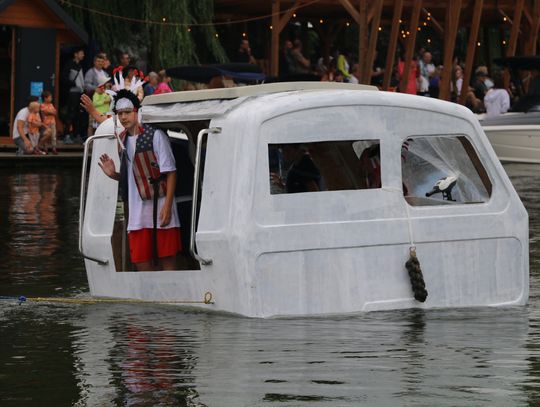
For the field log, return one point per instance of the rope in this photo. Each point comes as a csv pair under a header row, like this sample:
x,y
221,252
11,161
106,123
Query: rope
x,y
206,300
412,265
172,24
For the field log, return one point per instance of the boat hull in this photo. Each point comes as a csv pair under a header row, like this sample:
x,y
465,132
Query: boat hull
x,y
515,143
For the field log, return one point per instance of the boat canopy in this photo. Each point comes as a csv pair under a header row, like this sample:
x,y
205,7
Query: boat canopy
x,y
209,103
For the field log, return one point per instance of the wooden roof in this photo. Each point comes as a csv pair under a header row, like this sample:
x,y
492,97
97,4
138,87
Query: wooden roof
x,y
39,14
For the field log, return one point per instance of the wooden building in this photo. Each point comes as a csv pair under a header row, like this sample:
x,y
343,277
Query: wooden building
x,y
403,19
32,34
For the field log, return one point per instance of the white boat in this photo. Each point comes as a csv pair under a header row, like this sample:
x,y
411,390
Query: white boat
x,y
271,236
515,136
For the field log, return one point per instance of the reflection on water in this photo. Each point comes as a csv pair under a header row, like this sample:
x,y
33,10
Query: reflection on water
x,y
142,355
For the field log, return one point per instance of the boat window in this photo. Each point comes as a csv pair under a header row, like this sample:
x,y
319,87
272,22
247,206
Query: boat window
x,y
324,166
443,170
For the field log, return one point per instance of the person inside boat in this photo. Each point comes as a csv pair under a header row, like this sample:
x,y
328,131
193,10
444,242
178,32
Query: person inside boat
x,y
147,182
303,175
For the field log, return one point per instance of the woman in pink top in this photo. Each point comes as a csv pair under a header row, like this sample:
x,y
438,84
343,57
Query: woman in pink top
x,y
164,83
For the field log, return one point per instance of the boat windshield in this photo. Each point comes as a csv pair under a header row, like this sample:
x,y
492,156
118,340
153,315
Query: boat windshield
x,y
440,170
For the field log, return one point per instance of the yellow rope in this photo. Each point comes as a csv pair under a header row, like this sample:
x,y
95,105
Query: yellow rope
x,y
207,300
166,23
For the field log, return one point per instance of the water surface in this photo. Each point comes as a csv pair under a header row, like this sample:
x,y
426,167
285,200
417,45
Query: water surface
x,y
152,355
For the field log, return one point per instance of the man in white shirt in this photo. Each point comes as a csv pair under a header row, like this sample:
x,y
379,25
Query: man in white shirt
x,y
20,130
427,69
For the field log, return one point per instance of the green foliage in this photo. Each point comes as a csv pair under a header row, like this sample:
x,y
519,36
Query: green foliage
x,y
162,44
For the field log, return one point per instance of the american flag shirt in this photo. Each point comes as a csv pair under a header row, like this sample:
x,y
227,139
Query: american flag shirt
x,y
157,149
145,164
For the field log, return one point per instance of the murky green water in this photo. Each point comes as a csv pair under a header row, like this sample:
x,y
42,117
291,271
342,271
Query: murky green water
x,y
146,355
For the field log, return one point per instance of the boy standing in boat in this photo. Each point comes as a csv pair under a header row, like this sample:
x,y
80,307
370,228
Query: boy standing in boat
x,y
147,181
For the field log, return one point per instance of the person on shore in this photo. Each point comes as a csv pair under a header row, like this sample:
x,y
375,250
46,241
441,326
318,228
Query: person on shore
x,y
20,130
101,101
95,75
124,59
413,74
152,81
48,113
299,63
73,79
426,71
130,73
151,240
34,126
497,99
343,65
164,83
243,55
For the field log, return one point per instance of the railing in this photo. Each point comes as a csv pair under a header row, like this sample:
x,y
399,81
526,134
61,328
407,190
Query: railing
x,y
87,144
194,217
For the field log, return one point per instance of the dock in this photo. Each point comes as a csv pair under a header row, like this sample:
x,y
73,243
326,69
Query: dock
x,y
68,154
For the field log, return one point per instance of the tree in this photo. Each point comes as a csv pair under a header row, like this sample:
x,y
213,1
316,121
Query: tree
x,y
165,33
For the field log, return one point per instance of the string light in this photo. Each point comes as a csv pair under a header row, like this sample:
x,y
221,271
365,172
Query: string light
x,y
504,18
380,28
429,40
243,34
164,19
425,24
189,30
419,29
504,42
408,33
217,35
271,27
321,21
478,43
294,15
348,24
400,21
429,18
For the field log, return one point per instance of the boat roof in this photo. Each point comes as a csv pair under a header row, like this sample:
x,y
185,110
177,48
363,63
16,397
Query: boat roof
x,y
209,103
244,91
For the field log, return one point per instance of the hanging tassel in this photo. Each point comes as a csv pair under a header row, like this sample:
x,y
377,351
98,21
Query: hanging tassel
x,y
415,275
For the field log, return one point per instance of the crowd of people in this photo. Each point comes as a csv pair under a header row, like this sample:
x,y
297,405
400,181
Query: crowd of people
x,y
36,126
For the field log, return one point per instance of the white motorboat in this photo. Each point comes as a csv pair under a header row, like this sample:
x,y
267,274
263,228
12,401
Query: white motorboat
x,y
310,198
515,136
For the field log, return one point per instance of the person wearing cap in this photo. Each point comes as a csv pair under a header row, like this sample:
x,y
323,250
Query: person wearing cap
x,y
147,179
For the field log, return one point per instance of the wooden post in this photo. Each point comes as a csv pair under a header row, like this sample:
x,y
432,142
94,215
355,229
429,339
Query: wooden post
x,y
391,52
409,52
471,48
450,31
12,84
362,36
274,48
514,33
360,17
535,27
375,22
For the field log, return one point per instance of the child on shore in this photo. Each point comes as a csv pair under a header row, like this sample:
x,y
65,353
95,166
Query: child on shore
x,y
48,112
34,125
101,101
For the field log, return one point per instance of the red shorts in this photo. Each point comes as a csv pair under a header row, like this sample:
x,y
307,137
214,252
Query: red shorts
x,y
140,244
